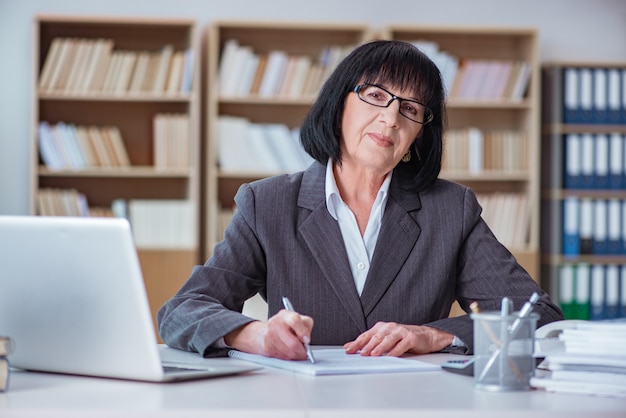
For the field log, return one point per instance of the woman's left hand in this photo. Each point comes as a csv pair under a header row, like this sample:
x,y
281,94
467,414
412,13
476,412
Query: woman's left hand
x,y
391,339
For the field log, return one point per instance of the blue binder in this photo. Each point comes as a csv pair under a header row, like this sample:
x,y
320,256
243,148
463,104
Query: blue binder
x,y
600,96
614,96
616,161
600,227
597,295
587,169
571,238
586,96
601,162
572,176
571,95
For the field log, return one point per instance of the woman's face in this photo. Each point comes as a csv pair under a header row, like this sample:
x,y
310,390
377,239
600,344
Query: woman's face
x,y
376,137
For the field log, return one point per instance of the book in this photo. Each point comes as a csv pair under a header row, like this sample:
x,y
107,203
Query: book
x,y
4,374
593,362
6,346
334,361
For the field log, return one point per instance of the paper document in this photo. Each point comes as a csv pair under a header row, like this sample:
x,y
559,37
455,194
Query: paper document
x,y
336,361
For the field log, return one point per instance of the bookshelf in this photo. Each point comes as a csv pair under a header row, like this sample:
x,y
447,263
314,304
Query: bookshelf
x,y
101,89
492,141
583,188
281,108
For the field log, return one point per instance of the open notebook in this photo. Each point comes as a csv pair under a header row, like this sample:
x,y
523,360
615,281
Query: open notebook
x,y
72,299
330,361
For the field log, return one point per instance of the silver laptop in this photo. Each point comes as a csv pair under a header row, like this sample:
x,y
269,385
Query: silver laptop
x,y
73,300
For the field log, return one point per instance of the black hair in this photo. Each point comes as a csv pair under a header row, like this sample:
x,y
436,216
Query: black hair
x,y
387,62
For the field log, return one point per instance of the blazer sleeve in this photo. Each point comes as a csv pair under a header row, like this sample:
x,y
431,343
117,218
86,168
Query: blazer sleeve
x,y
208,306
487,272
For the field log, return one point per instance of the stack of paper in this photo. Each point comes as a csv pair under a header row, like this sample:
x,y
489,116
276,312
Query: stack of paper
x,y
594,361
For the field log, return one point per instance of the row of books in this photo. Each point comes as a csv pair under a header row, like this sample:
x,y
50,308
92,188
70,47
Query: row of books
x,y
473,150
155,223
276,74
475,79
69,147
594,161
594,95
592,363
171,140
593,226
592,291
163,223
74,147
85,65
508,217
5,350
246,147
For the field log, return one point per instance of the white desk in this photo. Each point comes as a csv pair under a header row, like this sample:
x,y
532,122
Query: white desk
x,y
277,393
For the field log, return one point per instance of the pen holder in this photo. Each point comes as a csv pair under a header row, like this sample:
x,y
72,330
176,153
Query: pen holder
x,y
503,351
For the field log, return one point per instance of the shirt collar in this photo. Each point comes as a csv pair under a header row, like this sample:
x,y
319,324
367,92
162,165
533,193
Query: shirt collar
x,y
332,191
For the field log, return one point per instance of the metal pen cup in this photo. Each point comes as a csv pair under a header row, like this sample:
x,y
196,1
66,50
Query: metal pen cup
x,y
503,352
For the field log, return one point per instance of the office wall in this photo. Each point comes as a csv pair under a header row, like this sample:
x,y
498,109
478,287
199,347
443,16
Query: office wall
x,y
579,30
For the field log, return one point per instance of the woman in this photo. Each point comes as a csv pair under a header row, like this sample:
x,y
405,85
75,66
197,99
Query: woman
x,y
369,245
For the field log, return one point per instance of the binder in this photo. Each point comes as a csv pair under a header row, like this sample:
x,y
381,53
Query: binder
x,y
571,238
614,102
614,227
601,162
572,177
586,226
623,230
597,295
623,95
566,291
587,161
616,161
600,96
612,308
583,278
586,96
571,95
600,215
622,292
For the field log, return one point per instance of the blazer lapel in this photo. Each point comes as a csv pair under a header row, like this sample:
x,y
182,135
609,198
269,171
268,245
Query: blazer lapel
x,y
398,234
323,237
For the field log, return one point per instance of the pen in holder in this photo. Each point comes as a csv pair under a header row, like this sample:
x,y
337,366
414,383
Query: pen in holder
x,y
503,347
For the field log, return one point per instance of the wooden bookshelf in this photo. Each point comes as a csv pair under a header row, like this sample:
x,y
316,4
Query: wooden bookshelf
x,y
295,40
557,130
132,111
491,113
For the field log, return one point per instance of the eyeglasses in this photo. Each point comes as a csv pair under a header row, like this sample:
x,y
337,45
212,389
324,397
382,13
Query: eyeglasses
x,y
379,97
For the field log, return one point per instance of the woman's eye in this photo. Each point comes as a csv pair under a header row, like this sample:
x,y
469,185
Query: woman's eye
x,y
410,109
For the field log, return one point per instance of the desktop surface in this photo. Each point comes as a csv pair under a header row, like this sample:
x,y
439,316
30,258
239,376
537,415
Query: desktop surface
x,y
277,393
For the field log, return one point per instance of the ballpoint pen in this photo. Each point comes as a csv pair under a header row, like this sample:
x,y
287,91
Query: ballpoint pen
x,y
309,352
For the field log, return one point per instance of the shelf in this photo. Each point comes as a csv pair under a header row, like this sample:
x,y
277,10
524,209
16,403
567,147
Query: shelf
x,y
147,172
126,97
88,122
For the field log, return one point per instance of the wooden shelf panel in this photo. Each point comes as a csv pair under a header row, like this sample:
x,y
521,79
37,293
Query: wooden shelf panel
x,y
146,172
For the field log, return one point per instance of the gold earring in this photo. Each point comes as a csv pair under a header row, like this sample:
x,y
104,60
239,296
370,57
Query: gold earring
x,y
407,157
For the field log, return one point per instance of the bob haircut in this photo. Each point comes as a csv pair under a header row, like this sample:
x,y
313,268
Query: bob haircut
x,y
394,64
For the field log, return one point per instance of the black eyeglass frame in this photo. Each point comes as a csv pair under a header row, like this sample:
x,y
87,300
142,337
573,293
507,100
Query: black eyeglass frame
x,y
428,113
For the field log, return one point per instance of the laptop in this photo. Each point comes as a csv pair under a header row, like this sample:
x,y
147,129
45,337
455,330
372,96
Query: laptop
x,y
72,299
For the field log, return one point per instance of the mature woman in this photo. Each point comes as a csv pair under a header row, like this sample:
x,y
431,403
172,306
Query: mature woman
x,y
369,245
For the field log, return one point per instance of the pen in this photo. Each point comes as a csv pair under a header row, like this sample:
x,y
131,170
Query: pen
x,y
523,313
309,352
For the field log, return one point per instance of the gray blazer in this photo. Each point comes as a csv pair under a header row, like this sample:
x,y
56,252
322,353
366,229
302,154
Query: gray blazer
x,y
433,248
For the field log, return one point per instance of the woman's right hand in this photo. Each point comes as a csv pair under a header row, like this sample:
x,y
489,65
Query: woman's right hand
x,y
282,336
